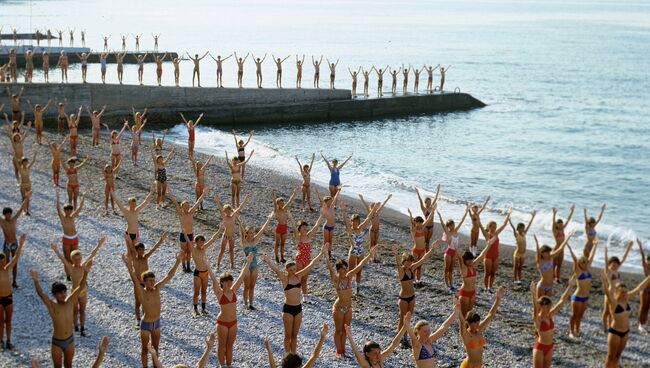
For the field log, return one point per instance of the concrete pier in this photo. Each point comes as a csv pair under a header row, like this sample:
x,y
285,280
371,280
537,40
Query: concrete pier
x,y
235,106
72,52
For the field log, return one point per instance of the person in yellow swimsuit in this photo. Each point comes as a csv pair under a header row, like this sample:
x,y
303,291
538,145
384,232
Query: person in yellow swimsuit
x,y
38,118
520,250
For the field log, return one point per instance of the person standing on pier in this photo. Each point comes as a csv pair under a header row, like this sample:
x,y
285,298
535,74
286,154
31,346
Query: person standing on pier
x,y
38,35
380,79
195,73
140,60
405,73
219,62
63,63
83,58
46,66
258,70
366,79
159,61
416,79
317,71
29,66
12,65
278,74
119,58
177,70
332,72
60,33
83,38
393,73
49,38
102,61
106,43
155,41
430,71
137,42
123,37
299,64
240,69
443,71
354,75
71,31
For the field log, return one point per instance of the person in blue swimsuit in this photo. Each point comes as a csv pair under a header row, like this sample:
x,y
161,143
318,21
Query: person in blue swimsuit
x,y
334,168
249,239
580,298
590,230
102,62
423,339
356,230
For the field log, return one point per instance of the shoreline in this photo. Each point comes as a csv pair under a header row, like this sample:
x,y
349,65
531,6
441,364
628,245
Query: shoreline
x,y
375,311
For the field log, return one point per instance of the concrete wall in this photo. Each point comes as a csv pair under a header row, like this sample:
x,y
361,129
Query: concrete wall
x,y
233,106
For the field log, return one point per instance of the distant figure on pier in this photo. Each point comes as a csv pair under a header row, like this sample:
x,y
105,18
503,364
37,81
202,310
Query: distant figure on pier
x,y
102,62
332,72
123,37
405,73
354,75
278,74
106,43
16,112
177,71
83,38
60,32
71,31
84,65
15,35
393,73
316,70
299,64
12,65
258,70
416,79
38,38
196,73
155,41
159,61
49,37
366,80
380,80
137,42
119,58
240,69
443,71
46,66
63,64
430,71
219,62
29,66
140,60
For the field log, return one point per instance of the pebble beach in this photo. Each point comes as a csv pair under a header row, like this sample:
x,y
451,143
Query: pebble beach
x,y
110,306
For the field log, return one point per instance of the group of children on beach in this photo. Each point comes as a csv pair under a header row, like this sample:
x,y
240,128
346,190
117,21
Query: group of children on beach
x,y
68,310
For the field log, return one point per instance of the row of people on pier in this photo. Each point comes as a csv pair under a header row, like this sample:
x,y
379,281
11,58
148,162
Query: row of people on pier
x,y
49,36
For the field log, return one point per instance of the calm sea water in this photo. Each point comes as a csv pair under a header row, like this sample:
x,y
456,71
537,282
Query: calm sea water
x,y
566,83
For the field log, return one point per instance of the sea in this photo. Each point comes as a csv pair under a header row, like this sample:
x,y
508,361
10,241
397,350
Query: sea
x,y
566,85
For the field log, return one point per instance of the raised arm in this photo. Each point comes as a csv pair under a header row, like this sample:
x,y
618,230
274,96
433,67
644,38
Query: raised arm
x,y
305,271
269,353
426,255
561,247
556,308
244,271
445,325
532,217
319,345
493,310
639,288
266,223
345,162
147,198
356,270
627,250
273,267
169,274
162,238
576,268
39,291
14,259
326,161
101,351
93,253
358,355
505,222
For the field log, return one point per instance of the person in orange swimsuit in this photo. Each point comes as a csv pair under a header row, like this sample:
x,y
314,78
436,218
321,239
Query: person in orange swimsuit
x,y
471,331
56,158
73,125
72,185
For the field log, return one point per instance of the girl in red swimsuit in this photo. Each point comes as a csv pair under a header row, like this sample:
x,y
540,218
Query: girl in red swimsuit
x,y
303,237
109,177
191,133
418,235
543,314
491,261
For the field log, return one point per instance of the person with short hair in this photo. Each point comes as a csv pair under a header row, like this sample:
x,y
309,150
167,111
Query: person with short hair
x,y
25,182
280,209
185,214
55,149
76,269
38,111
196,71
422,338
519,255
131,215
6,294
61,313
305,172
72,184
249,239
372,355
418,235
228,218
219,62
544,258
10,245
95,120
67,216
198,246
149,294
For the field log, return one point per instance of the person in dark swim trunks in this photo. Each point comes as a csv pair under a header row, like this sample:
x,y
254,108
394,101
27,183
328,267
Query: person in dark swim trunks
x,y
6,297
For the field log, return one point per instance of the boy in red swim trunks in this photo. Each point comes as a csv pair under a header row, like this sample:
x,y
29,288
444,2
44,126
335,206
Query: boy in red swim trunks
x,y
281,227
67,216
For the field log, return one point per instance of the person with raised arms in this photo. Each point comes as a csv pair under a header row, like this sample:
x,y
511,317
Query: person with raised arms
x,y
332,67
95,120
422,349
590,230
63,64
131,216
77,271
280,209
451,237
140,61
196,74
366,81
191,133
241,149
645,295
7,266
443,73
199,173
219,62
430,71
258,69
544,259
109,180
427,206
114,136
491,261
543,313
56,159
302,237
335,171
380,80
73,125
467,290
249,239
416,227
278,74
25,182
67,216
140,263
580,298
356,231
327,205
185,214
305,172
119,60
292,309
405,274
299,65
372,356
354,75
519,255
236,167
316,65
162,189
471,332
558,227
240,68
375,220
613,276
135,133
474,215
228,218
8,223
61,313
38,111
159,63
149,294
293,360
225,289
